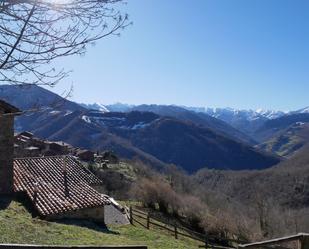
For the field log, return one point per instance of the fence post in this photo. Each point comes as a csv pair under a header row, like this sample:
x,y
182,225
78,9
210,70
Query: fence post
x,y
175,229
131,215
148,221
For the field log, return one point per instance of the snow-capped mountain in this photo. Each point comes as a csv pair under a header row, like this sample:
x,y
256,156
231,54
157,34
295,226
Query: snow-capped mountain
x,y
95,106
120,107
214,112
303,110
270,114
247,121
117,107
248,114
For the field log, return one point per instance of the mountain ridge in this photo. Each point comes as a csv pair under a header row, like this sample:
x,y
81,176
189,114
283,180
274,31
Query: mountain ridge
x,y
189,140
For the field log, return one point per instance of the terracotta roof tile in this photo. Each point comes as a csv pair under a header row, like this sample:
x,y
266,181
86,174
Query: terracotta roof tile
x,y
57,184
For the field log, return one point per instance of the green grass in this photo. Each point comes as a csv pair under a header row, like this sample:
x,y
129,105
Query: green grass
x,y
284,145
18,226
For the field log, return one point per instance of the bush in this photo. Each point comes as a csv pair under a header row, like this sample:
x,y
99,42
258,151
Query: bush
x,y
158,192
194,211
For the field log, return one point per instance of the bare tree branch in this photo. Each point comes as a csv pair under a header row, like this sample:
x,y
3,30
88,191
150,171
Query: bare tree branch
x,y
33,33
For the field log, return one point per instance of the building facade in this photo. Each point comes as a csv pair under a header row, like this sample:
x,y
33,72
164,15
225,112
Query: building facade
x,y
7,115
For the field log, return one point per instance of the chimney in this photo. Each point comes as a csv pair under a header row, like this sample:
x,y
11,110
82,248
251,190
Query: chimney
x,y
7,115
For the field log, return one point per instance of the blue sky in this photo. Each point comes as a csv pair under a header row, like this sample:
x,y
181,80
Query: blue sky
x,y
217,53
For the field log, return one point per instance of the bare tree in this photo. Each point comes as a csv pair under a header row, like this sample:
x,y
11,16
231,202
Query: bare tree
x,y
33,33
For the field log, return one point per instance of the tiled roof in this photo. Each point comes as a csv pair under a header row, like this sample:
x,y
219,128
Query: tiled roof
x,y
57,184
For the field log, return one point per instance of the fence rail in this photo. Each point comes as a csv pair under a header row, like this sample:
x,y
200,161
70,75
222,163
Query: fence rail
x,y
174,229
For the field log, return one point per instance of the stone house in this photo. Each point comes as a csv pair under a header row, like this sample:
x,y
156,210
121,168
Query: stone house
x,y
60,187
56,148
7,114
26,145
57,186
85,155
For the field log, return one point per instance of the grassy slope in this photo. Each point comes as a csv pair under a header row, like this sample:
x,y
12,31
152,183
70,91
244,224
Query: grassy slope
x,y
17,226
288,141
283,145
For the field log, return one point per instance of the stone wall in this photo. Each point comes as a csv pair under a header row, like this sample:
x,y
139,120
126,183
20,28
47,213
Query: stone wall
x,y
107,214
114,216
6,153
94,214
15,246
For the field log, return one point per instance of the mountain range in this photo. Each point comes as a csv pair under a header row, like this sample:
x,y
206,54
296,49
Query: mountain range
x,y
253,126
247,121
157,134
179,113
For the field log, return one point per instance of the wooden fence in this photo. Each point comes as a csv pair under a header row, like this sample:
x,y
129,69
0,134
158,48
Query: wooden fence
x,y
147,221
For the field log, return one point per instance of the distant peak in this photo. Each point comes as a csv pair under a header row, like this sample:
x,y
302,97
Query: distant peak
x,y
96,106
304,110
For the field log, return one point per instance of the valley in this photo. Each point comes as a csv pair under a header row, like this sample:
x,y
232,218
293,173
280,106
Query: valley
x,y
154,124
159,135
178,163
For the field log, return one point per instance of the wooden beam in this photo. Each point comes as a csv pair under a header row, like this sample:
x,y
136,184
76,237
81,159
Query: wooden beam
x,y
304,242
300,236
